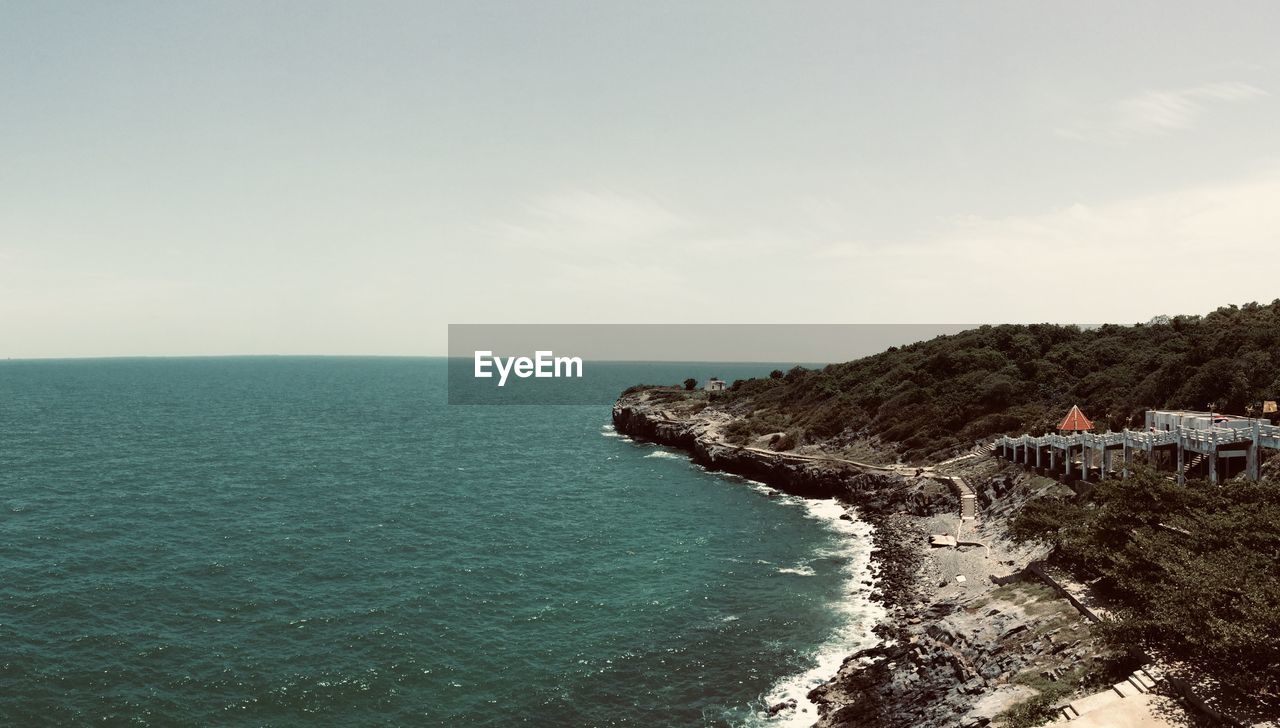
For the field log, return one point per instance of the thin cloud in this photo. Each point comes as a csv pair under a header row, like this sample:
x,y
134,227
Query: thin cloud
x,y
592,218
1100,262
1160,112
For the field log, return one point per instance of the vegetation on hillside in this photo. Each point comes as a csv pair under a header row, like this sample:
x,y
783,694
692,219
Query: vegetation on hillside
x,y
933,396
1194,567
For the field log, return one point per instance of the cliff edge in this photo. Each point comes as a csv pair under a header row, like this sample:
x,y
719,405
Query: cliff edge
x,y
970,637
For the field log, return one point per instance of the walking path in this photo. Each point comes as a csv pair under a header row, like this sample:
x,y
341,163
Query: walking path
x,y
968,499
1139,711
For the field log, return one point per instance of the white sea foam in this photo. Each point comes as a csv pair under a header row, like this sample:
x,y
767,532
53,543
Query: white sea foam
x,y
666,454
609,431
858,614
773,493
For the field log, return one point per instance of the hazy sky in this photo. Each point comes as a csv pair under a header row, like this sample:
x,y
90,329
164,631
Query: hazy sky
x,y
309,177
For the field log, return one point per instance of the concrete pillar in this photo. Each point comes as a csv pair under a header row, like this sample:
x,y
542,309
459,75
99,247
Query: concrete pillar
x,y
1106,463
1251,468
1039,456
1213,466
1084,461
1128,460
1182,478
1053,459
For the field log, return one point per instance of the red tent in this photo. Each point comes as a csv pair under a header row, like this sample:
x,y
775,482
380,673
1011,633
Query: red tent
x,y
1075,421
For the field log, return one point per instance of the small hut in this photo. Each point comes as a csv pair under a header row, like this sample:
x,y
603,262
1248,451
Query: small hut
x,y
1075,422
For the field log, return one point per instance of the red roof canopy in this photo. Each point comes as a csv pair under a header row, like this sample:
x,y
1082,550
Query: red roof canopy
x,y
1075,421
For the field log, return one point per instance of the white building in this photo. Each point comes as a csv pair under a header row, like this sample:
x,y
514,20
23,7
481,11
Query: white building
x,y
715,385
1169,420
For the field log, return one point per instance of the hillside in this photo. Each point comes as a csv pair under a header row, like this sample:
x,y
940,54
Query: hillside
x,y
932,397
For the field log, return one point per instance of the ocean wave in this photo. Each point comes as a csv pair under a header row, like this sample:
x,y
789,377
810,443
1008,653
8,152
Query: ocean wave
x,y
609,431
851,551
859,614
667,455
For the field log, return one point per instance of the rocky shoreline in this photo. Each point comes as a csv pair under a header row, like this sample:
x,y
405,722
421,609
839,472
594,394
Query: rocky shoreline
x,y
942,661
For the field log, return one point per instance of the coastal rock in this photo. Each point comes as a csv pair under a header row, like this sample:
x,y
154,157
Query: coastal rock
x,y
784,705
937,655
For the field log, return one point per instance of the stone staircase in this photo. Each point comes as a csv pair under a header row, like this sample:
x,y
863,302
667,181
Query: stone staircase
x,y
968,500
1195,461
1139,683
979,451
968,504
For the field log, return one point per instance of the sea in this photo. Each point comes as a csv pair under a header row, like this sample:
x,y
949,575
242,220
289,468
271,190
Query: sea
x,y
281,541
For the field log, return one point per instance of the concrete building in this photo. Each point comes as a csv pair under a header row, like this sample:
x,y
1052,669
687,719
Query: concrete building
x,y
715,385
1171,420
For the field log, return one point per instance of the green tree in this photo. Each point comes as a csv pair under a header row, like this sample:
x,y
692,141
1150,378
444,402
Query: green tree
x,y
930,398
1192,568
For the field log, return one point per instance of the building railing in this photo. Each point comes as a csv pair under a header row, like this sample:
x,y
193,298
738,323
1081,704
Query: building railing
x,y
1146,439
1254,435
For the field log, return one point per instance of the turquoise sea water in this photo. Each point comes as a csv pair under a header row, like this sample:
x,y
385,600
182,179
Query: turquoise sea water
x,y
323,541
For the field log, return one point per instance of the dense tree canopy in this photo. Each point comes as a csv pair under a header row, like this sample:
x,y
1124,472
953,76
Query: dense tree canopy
x,y
932,396
1193,568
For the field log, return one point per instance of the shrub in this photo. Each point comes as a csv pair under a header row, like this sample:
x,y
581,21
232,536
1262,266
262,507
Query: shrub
x,y
1192,568
784,441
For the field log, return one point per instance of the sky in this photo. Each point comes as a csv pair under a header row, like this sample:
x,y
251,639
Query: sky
x,y
350,178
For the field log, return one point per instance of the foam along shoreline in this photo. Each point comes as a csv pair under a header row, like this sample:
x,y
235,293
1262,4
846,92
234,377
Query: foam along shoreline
x,y
859,614
859,611
880,580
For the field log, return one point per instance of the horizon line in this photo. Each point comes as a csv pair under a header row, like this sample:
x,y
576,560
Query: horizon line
x,y
112,357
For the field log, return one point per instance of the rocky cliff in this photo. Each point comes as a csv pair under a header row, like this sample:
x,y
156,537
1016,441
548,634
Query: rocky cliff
x,y
874,490
952,647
